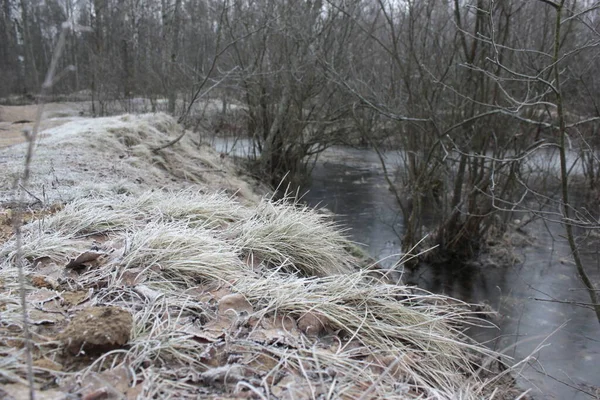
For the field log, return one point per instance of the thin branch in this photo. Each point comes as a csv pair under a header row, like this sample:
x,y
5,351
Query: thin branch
x,y
575,303
38,200
551,3
171,143
18,220
213,65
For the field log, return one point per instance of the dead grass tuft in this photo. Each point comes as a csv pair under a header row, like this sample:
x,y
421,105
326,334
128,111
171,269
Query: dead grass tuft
x,y
182,254
285,234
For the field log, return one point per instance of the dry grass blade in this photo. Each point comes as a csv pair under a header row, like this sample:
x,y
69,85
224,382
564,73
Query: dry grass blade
x,y
22,182
194,207
416,327
56,246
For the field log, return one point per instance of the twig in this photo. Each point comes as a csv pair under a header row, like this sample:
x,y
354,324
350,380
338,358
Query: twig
x,y
579,389
171,143
576,303
31,194
86,235
18,220
551,3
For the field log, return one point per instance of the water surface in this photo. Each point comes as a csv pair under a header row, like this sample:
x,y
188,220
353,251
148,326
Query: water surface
x,y
350,183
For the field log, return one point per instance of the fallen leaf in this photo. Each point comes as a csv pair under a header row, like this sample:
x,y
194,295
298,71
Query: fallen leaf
x,y
388,364
98,394
46,363
354,348
280,329
229,374
76,298
83,258
150,294
196,331
50,270
117,378
231,308
39,317
133,276
297,388
208,293
313,323
261,362
19,391
216,328
41,296
41,262
284,322
214,355
134,393
234,304
196,291
40,281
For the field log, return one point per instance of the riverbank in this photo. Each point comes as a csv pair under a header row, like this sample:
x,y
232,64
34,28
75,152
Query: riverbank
x,y
164,272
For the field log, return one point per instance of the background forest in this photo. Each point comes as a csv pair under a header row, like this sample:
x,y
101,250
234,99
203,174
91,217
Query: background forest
x,y
468,91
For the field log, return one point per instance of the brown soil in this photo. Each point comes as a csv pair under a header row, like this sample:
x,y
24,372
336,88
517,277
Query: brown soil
x,y
96,330
7,218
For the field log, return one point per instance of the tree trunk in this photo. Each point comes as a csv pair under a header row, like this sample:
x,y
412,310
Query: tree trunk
x,y
566,206
172,86
31,74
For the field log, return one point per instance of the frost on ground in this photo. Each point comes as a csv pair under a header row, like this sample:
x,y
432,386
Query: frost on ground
x,y
156,273
116,155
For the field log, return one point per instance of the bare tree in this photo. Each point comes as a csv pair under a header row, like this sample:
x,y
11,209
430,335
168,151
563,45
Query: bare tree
x,y
441,114
536,86
293,110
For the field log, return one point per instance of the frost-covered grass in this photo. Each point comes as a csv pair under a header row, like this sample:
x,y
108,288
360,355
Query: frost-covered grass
x,y
92,156
284,233
101,213
386,341
182,254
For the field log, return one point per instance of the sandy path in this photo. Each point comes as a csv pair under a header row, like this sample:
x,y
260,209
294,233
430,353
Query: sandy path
x,y
14,120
